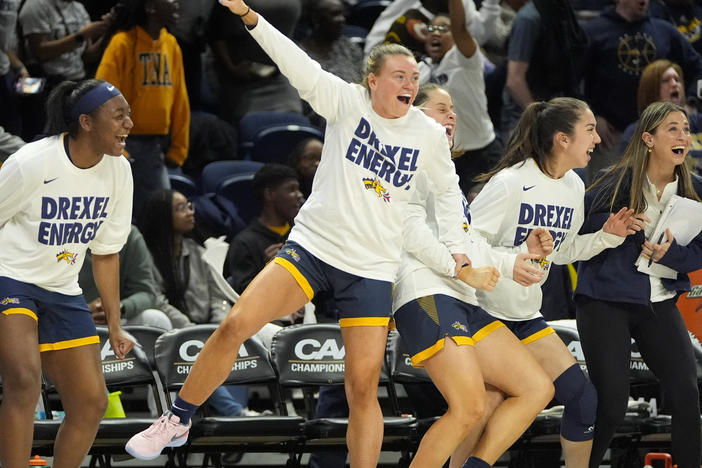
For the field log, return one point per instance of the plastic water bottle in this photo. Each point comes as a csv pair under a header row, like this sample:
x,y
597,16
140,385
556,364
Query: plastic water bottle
x,y
39,411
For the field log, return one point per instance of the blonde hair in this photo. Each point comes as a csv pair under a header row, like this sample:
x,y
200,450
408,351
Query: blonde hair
x,y
377,58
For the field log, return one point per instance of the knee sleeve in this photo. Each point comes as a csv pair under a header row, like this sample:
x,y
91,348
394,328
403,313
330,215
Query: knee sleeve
x,y
579,398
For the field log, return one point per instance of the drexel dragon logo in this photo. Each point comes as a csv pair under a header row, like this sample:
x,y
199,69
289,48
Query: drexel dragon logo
x,y
459,326
293,254
541,263
67,256
374,184
9,300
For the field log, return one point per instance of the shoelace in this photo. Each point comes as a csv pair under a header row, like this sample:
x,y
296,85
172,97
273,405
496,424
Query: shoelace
x,y
159,427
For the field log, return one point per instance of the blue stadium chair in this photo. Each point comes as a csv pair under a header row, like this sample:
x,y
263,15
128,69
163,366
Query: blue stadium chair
x,y
176,351
364,13
217,171
275,144
252,123
238,190
183,184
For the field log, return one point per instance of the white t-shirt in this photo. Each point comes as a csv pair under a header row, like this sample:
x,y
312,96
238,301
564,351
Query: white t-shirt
x,y
463,79
427,266
513,203
353,218
51,212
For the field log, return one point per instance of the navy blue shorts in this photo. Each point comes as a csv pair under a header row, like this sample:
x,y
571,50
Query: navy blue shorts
x,y
63,321
425,322
529,331
362,302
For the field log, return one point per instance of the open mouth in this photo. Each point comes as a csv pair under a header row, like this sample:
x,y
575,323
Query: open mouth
x,y
679,150
404,99
449,129
122,140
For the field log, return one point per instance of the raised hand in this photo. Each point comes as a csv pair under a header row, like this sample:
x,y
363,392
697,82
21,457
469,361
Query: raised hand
x,y
524,272
238,7
539,241
480,278
624,222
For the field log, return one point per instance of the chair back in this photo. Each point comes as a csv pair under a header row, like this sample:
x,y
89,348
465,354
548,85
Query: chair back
x,y
146,338
274,144
177,350
239,190
252,123
183,184
214,173
400,363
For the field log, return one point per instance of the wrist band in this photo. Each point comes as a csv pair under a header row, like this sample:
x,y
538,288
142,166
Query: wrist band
x,y
247,12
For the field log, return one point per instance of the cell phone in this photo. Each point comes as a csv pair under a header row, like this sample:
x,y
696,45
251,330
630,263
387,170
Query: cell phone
x,y
30,85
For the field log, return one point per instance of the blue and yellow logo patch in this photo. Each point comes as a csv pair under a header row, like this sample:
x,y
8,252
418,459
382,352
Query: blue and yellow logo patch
x,y
295,256
374,184
459,326
541,263
9,300
67,256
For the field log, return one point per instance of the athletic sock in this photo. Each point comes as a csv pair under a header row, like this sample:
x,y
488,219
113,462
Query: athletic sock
x,y
183,410
475,462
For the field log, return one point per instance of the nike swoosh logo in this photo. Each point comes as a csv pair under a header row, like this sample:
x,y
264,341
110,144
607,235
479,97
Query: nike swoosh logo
x,y
50,180
525,188
110,88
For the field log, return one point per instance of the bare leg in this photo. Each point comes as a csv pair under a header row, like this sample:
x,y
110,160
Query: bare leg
x,y
456,373
78,378
21,384
365,348
493,399
555,358
507,366
272,294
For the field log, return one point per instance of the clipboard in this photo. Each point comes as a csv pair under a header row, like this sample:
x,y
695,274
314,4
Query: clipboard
x,y
683,217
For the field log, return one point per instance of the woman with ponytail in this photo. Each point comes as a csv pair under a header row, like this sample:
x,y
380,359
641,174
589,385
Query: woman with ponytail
x,y
533,201
60,196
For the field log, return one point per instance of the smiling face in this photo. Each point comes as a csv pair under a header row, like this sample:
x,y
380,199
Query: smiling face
x,y
394,88
183,214
439,107
439,39
110,125
582,142
670,142
671,87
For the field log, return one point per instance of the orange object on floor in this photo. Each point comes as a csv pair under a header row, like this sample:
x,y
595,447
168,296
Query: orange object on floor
x,y
36,460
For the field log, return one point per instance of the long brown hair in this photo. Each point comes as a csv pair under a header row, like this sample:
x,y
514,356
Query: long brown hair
x,y
650,82
634,163
533,136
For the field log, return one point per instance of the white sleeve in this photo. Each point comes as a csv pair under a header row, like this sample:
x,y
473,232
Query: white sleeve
x,y
388,16
112,236
481,253
447,195
322,90
581,247
14,189
482,24
418,238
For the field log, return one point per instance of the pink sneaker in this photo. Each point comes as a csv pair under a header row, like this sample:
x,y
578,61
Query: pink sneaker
x,y
166,431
